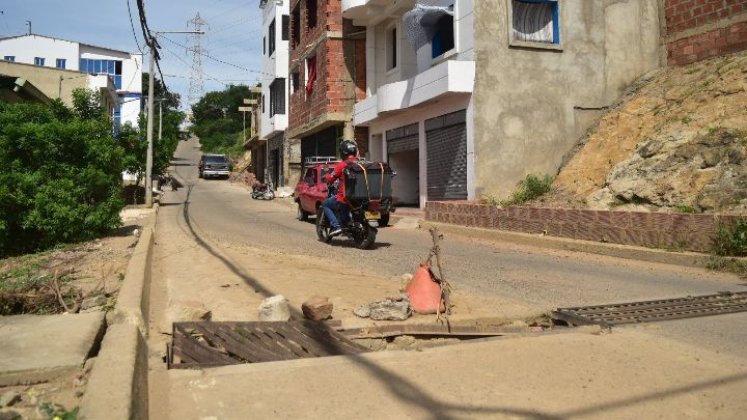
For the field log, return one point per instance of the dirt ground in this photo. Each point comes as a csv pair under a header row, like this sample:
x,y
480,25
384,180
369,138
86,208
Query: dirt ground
x,y
87,270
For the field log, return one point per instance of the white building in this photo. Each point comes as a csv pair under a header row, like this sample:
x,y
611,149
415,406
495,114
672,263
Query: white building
x,y
274,99
125,69
419,101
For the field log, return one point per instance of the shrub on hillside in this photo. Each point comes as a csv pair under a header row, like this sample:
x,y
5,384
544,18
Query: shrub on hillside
x,y
60,180
731,239
530,188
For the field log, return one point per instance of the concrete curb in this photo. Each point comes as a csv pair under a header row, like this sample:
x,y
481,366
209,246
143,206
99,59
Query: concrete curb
x,y
118,385
686,259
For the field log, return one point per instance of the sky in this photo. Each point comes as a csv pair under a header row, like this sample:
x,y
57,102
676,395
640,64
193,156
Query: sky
x,y
233,33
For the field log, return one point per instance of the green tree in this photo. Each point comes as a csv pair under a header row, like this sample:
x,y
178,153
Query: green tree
x,y
61,174
218,122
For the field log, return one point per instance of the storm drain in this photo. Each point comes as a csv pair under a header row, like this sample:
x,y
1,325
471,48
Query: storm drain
x,y
654,310
211,344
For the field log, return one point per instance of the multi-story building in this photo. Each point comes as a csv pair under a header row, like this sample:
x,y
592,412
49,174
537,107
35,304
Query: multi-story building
x,y
283,154
124,69
546,71
327,74
420,74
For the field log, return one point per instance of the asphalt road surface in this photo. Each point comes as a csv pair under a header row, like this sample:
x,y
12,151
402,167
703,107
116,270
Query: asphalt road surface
x,y
544,278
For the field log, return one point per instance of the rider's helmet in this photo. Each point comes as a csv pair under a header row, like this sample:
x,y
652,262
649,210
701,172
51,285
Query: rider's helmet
x,y
347,148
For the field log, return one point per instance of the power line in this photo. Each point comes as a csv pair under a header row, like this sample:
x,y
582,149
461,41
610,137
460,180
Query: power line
x,y
132,25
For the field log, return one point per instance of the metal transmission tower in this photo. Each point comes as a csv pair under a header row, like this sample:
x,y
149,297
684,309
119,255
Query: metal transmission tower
x,y
196,80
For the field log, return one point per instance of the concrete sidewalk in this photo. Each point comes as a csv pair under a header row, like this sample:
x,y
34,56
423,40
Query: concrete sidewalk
x,y
38,348
625,374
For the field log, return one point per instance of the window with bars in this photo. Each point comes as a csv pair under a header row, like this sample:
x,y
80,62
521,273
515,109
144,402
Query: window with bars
x,y
61,63
38,61
277,97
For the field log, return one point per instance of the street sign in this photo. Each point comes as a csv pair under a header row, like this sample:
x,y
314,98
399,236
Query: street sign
x,y
250,102
245,109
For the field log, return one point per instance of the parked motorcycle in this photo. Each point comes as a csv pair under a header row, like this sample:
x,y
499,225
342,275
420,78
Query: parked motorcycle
x,y
263,191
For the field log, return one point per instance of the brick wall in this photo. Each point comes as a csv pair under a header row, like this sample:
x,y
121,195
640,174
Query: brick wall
x,y
700,29
693,232
338,60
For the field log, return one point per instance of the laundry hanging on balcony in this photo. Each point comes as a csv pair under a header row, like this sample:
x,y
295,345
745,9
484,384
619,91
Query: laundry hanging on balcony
x,y
421,23
311,74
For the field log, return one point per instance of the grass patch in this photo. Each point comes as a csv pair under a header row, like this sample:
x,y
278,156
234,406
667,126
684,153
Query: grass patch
x,y
680,208
731,239
530,188
729,265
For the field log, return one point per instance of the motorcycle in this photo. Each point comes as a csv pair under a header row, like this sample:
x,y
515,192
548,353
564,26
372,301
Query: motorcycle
x,y
263,191
359,227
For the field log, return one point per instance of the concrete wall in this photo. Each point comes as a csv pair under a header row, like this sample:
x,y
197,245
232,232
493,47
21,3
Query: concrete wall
x,y
274,66
47,79
533,101
699,29
26,48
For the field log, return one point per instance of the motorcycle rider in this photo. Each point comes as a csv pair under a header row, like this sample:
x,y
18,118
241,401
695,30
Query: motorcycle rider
x,y
336,203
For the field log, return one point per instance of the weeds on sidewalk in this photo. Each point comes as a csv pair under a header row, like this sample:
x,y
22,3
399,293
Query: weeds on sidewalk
x,y
531,187
729,243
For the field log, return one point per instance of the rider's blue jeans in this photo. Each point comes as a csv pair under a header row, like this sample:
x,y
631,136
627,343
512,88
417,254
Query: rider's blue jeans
x,y
331,208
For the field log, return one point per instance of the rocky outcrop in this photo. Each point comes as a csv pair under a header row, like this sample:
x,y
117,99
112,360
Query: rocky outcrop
x,y
677,142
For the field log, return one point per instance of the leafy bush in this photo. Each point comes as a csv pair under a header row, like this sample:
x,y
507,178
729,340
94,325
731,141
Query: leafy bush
x,y
530,188
60,180
731,239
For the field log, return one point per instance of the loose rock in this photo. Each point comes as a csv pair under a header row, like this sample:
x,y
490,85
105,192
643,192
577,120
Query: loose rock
x,y
93,302
274,309
363,311
190,311
390,310
9,398
317,308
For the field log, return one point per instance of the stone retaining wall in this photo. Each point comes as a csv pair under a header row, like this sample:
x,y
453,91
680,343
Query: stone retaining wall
x,y
691,232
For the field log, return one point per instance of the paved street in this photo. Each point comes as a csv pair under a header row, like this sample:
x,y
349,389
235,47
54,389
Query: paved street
x,y
218,248
542,279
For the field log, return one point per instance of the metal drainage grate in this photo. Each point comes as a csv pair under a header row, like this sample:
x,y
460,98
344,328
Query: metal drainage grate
x,y
654,310
211,344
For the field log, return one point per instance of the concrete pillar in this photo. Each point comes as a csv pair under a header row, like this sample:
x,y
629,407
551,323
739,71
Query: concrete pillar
x,y
348,131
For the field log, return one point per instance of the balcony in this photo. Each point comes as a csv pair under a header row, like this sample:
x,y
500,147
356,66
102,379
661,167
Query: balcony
x,y
272,126
447,78
370,12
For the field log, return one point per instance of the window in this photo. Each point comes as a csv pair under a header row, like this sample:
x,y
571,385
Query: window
x,y
271,37
391,48
443,37
535,21
264,45
310,177
110,67
295,81
9,58
311,13
262,103
296,26
310,75
38,61
284,29
61,63
277,97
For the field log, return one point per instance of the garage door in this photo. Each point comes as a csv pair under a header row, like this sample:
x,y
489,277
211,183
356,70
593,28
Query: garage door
x,y
403,139
446,140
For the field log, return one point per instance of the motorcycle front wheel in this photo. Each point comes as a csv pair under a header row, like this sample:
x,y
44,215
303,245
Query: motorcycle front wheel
x,y
364,236
322,226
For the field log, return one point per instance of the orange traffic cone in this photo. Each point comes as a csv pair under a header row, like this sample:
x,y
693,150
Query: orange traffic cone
x,y
424,292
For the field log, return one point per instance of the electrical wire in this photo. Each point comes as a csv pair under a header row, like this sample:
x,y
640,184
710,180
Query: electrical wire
x,y
132,25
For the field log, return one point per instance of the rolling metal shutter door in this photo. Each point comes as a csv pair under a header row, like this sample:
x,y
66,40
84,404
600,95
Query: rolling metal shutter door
x,y
402,139
446,140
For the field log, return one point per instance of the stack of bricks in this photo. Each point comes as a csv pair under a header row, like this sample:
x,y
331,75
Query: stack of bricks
x,y
700,29
691,232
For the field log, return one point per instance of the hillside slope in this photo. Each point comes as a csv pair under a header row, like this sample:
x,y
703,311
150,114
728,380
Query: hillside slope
x,y
676,142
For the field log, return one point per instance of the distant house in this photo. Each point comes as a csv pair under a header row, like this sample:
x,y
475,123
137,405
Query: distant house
x,y
420,74
124,69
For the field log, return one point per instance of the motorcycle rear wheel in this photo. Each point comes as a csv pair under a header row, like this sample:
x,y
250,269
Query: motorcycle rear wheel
x,y
322,226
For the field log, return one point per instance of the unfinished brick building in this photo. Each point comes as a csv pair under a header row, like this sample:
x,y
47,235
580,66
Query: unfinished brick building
x,y
327,72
